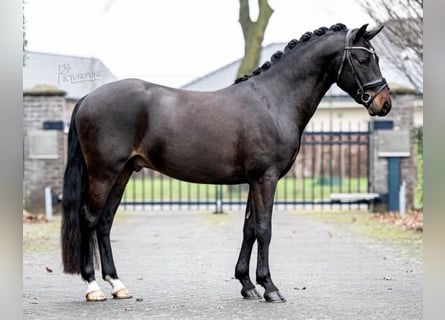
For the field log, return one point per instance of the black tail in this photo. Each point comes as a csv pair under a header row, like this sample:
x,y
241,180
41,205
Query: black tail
x,y
75,186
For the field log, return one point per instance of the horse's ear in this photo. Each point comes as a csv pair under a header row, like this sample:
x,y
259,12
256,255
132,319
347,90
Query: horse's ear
x,y
372,33
360,32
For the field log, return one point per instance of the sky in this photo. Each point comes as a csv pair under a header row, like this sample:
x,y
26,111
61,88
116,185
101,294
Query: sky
x,y
170,42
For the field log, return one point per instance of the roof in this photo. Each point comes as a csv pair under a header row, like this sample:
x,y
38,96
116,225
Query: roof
x,y
226,75
75,75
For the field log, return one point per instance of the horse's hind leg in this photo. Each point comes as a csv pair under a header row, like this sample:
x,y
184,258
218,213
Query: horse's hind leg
x,y
242,266
109,272
98,190
102,180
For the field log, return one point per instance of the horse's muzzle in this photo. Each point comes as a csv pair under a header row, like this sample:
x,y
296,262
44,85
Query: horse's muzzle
x,y
381,104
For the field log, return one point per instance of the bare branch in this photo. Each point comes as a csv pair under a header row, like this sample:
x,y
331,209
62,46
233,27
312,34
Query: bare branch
x,y
402,36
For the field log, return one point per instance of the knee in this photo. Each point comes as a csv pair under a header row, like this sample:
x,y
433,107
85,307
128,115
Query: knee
x,y
263,233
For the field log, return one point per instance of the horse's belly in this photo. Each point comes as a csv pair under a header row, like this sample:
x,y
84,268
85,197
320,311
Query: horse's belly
x,y
196,164
196,173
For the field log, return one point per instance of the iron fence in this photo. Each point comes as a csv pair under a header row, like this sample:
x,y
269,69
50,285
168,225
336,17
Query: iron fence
x,y
328,162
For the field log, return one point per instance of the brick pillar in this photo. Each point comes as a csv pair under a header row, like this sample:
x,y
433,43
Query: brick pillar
x,y
402,115
43,144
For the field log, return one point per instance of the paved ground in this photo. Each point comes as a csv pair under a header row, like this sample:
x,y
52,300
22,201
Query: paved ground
x,y
180,265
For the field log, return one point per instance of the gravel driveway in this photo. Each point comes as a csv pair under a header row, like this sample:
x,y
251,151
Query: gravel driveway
x,y
180,265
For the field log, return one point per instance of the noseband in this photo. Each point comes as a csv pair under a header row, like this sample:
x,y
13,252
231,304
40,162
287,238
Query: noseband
x,y
366,97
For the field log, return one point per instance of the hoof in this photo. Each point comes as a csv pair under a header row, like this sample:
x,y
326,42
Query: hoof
x,y
96,295
250,294
122,294
274,297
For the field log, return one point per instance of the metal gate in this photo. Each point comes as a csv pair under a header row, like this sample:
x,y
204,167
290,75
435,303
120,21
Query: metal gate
x,y
328,162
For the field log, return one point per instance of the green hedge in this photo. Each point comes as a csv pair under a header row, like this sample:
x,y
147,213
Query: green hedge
x,y
419,152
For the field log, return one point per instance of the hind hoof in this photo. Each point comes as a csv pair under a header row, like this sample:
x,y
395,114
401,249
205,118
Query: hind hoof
x,y
96,295
122,294
250,294
274,297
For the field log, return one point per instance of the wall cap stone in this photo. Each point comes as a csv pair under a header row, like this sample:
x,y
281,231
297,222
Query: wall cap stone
x,y
44,90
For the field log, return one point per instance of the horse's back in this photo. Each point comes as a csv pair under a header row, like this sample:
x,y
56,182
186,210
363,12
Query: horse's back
x,y
160,127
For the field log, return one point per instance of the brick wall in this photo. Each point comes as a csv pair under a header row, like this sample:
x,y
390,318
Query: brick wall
x,y
43,149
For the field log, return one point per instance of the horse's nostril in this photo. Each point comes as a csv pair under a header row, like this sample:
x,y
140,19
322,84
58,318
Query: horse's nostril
x,y
386,107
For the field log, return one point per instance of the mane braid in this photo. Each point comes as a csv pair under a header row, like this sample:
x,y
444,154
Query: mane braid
x,y
291,45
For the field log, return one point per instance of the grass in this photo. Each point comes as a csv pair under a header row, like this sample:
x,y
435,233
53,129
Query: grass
x,y
41,237
161,188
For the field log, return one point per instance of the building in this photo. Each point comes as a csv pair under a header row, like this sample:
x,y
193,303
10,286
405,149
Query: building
x,y
75,75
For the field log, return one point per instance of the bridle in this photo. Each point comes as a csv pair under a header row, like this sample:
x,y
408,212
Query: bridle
x,y
366,97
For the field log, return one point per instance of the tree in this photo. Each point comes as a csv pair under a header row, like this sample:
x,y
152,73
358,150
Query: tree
x,y
401,42
253,32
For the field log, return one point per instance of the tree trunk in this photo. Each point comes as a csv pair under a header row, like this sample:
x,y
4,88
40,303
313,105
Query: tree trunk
x,y
253,32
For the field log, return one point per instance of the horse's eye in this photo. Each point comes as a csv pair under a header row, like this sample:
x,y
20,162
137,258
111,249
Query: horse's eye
x,y
362,61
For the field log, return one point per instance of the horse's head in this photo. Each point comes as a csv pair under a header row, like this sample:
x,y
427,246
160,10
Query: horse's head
x,y
359,73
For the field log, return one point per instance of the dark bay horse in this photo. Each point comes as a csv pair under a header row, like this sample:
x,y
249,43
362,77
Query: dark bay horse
x,y
248,133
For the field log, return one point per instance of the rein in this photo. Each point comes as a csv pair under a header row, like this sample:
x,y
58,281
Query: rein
x,y
366,97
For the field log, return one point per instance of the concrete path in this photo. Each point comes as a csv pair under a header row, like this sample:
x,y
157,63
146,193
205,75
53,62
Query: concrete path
x,y
180,265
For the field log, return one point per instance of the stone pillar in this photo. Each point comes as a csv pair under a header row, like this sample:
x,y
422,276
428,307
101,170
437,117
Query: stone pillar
x,y
402,116
43,144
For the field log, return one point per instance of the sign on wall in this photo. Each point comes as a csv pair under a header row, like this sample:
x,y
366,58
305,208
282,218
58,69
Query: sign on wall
x,y
393,143
43,144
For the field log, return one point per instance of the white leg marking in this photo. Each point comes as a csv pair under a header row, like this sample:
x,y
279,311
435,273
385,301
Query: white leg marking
x,y
92,286
115,283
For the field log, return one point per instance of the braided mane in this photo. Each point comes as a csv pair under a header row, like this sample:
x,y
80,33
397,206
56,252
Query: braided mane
x,y
291,45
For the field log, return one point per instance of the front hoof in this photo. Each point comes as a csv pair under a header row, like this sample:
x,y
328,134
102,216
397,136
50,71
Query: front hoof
x,y
274,297
96,295
250,294
122,294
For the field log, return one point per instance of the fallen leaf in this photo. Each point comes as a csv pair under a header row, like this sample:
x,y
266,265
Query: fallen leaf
x,y
410,221
49,269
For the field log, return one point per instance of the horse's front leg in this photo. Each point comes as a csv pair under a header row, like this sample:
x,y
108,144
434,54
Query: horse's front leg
x,y
263,193
242,267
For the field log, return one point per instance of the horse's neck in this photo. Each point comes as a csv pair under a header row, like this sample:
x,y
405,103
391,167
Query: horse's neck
x,y
300,82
